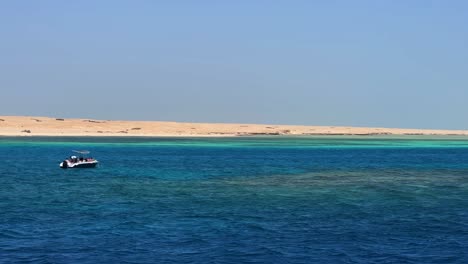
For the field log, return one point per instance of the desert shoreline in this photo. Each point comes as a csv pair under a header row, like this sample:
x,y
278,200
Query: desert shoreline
x,y
76,127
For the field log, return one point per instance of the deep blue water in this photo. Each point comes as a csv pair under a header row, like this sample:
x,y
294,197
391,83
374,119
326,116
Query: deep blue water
x,y
235,200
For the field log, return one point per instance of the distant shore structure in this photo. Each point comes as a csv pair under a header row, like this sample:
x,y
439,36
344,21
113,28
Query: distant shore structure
x,y
56,126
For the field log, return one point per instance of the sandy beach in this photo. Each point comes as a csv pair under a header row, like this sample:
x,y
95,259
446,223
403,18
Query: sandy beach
x,y
48,126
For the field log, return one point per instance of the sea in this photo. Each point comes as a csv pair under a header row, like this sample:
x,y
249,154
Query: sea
x,y
322,199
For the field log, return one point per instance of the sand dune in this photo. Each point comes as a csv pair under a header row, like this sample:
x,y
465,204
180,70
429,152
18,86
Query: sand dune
x,y
46,126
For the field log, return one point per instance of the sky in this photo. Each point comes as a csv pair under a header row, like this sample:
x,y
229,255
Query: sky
x,y
345,63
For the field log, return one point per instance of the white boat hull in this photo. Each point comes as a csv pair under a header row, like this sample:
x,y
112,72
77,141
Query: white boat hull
x,y
80,164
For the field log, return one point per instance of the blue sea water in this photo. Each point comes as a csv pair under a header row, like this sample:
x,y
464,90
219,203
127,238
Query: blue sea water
x,y
235,200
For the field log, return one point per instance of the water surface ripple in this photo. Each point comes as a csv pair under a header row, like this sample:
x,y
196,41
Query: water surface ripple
x,y
235,200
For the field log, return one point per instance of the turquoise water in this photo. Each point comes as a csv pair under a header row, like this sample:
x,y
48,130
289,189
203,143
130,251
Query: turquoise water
x,y
235,200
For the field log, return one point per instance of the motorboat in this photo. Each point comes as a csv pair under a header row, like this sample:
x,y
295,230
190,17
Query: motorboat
x,y
79,162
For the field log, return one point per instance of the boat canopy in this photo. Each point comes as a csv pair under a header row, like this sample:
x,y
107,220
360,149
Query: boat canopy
x,y
84,152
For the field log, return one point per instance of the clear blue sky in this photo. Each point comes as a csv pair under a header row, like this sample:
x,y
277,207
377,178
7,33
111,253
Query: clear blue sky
x,y
361,63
